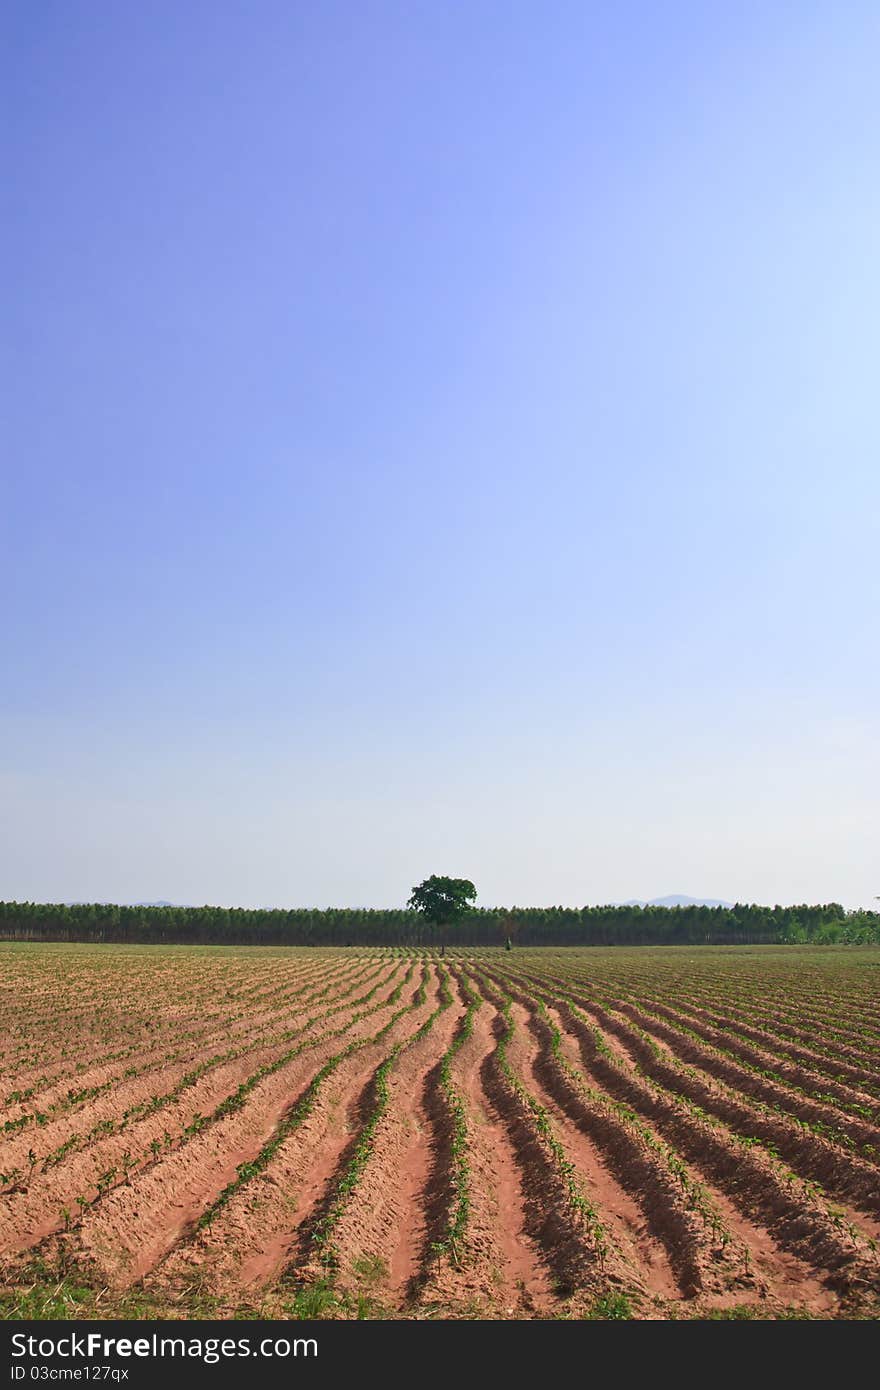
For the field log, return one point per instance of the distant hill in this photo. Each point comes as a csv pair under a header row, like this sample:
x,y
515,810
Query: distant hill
x,y
675,900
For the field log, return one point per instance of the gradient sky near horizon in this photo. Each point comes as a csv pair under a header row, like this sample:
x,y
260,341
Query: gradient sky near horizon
x,y
441,439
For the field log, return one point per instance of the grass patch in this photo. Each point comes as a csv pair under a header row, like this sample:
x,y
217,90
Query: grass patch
x,y
611,1307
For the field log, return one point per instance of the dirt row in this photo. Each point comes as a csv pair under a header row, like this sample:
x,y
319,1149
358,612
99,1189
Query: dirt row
x,y
476,1137
105,1090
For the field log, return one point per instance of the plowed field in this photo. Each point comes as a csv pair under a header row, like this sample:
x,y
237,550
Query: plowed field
x,y
652,1133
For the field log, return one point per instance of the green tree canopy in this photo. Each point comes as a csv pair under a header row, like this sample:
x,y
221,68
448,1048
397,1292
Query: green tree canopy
x,y
442,900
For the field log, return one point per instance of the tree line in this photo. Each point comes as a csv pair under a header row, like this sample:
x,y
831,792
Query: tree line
x,y
488,926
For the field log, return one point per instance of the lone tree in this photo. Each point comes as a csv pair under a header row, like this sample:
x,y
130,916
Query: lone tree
x,y
442,901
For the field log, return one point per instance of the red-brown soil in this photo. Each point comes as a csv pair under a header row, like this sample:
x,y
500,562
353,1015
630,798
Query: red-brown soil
x,y
660,1134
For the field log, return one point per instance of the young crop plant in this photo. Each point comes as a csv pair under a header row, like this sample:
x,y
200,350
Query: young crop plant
x,y
719,1106
349,1179
810,1193
695,1194
452,1239
752,1096
304,1107
581,1210
160,1102
110,1178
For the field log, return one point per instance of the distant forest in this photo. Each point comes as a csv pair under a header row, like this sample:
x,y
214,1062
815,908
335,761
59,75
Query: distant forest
x,y
525,926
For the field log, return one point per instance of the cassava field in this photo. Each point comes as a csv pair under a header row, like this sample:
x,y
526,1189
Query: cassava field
x,y
650,1133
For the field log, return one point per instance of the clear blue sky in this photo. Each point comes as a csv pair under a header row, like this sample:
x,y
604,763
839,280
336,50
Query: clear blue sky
x,y
441,438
